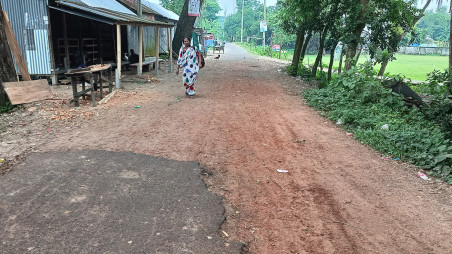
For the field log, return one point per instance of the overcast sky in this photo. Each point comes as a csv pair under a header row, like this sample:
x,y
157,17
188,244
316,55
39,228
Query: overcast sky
x,y
229,5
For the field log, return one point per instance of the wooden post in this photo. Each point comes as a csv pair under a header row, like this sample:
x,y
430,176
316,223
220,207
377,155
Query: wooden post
x,y
171,49
280,47
140,57
66,49
54,76
118,49
168,48
157,50
15,49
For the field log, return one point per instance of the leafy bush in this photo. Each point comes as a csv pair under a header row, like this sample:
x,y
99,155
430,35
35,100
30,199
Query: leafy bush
x,y
7,108
363,105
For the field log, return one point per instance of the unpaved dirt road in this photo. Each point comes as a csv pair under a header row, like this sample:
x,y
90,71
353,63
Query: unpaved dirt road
x,y
248,120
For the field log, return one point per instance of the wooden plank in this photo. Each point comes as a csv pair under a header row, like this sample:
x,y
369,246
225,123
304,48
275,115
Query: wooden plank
x,y
15,48
27,91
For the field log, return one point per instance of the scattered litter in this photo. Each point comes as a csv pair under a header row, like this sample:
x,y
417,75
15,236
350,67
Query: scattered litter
x,y
385,127
423,176
137,106
209,237
282,171
2,160
339,122
300,141
386,157
395,159
349,134
224,233
130,242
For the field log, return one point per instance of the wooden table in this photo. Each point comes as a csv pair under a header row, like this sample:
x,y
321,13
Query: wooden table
x,y
93,75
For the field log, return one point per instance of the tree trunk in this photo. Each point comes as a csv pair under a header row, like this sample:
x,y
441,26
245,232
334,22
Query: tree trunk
x,y
330,66
359,53
185,27
305,45
341,60
318,60
297,51
7,70
382,70
353,45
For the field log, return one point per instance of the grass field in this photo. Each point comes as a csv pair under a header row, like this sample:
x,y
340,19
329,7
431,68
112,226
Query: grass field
x,y
415,67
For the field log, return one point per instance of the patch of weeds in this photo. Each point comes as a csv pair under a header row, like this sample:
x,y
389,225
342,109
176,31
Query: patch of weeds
x,y
363,106
7,108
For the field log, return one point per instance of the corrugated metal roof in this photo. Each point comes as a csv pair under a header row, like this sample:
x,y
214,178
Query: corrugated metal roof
x,y
119,17
133,5
110,4
160,10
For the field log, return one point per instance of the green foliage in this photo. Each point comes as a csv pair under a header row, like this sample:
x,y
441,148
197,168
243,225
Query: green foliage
x,y
439,110
363,105
253,14
7,108
173,5
434,26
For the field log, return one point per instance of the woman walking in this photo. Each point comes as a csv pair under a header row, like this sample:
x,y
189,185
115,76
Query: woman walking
x,y
189,61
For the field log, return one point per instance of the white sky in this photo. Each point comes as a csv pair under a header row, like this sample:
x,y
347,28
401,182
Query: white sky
x,y
229,5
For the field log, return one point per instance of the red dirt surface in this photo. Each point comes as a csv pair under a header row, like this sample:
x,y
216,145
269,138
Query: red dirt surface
x,y
246,121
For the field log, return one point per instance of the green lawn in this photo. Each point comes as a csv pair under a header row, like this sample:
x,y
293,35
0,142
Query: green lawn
x,y
414,67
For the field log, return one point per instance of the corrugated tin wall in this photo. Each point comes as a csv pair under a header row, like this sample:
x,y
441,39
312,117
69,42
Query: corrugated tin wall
x,y
31,24
148,40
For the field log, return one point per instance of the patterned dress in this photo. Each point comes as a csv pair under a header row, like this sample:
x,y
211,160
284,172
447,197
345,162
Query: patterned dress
x,y
188,60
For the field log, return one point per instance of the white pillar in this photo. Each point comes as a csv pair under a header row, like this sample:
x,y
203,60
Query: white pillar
x,y
118,49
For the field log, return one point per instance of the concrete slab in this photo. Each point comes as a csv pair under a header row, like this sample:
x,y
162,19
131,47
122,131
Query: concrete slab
x,y
108,202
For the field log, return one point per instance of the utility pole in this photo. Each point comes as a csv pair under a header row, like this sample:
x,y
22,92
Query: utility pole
x,y
241,32
263,34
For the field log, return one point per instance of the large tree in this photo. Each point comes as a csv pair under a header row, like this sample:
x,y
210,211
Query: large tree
x,y
185,26
7,71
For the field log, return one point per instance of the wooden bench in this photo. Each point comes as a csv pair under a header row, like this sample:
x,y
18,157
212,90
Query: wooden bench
x,y
147,61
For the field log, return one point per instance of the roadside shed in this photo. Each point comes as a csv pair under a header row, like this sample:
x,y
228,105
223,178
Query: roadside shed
x,y
155,12
50,32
